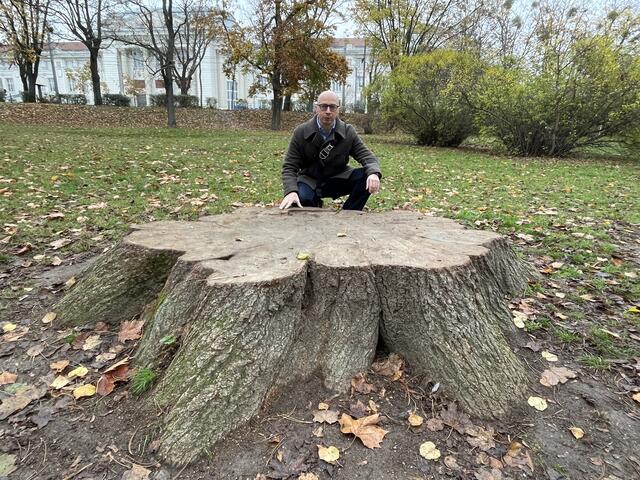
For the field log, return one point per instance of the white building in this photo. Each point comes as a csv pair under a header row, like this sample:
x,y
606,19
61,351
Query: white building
x,y
127,70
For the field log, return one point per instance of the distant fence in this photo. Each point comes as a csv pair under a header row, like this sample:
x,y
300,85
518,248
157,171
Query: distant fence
x,y
107,116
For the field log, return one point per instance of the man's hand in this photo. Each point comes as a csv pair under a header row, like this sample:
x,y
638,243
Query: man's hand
x,y
373,183
290,200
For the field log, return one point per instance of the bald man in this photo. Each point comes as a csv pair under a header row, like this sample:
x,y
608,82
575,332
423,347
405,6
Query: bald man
x,y
316,165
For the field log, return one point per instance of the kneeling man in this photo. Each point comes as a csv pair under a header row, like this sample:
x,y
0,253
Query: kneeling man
x,y
316,164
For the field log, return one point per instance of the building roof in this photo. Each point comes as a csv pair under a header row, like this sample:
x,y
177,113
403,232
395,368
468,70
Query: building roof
x,y
342,42
70,46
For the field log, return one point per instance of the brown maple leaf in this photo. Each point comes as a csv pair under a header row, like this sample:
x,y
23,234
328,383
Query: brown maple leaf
x,y
130,330
366,429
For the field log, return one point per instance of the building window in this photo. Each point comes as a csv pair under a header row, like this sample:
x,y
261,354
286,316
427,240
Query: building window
x,y
232,94
138,63
336,87
51,84
10,87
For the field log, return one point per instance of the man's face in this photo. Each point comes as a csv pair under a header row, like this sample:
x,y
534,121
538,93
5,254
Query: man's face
x,y
327,109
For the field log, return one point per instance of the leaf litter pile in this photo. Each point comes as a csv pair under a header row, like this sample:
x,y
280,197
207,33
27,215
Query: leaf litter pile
x,y
71,398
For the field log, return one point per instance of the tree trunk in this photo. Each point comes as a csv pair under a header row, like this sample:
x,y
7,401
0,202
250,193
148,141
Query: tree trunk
x,y
95,75
286,106
258,301
185,85
171,104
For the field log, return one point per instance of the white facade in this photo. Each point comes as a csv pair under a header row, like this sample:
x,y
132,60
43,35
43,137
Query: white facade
x,y
128,70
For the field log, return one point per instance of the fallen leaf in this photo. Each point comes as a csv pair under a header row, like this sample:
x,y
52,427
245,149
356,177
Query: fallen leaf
x,y
303,256
23,397
549,357
7,464
328,454
78,372
481,438
59,382
87,390
435,424
308,476
71,282
415,420
42,418
360,385
7,378
451,462
318,431
137,472
49,317
517,456
456,420
117,365
130,330
15,334
56,261
577,432
56,244
554,375
59,366
105,357
636,397
537,403
9,327
557,265
325,416
519,318
323,406
106,384
486,474
429,451
341,234
35,350
389,367
366,429
91,342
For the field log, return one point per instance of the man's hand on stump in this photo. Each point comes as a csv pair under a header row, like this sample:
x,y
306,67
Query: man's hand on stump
x,y
290,200
373,183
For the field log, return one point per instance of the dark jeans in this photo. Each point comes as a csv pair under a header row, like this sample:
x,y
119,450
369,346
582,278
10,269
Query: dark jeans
x,y
354,186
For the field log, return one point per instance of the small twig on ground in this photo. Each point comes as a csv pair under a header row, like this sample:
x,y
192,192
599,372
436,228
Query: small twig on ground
x,y
26,455
131,441
69,477
350,445
180,472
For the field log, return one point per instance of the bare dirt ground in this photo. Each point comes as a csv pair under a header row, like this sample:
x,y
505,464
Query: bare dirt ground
x,y
55,436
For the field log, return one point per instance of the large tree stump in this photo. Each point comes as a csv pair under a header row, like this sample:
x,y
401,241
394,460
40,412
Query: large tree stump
x,y
250,315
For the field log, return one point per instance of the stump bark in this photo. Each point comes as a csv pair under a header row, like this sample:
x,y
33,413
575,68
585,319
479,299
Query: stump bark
x,y
250,313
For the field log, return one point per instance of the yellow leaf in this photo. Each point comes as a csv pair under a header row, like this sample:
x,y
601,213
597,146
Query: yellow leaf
x,y
308,476
341,234
78,372
577,432
429,451
60,382
49,317
537,403
323,406
328,454
636,397
634,310
303,256
549,357
71,282
415,420
9,327
519,318
87,390
554,375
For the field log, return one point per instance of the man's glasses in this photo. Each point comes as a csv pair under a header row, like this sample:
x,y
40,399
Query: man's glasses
x,y
324,106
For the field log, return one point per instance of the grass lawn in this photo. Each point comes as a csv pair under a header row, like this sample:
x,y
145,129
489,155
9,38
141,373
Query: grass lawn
x,y
575,220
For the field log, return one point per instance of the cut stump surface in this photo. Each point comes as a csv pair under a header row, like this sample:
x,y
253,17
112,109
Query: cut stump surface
x,y
259,299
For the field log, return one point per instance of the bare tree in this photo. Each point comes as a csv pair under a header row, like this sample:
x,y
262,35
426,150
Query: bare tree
x,y
192,40
84,19
154,28
25,25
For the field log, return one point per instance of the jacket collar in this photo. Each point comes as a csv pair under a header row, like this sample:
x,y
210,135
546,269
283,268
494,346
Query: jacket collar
x,y
311,127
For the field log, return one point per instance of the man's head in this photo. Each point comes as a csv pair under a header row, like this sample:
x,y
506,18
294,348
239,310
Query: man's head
x,y
327,108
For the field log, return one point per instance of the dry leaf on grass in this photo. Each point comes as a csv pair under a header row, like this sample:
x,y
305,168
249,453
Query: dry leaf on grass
x,y
7,378
519,318
366,429
325,416
328,454
130,330
9,327
429,451
636,397
49,317
91,342
59,382
554,375
549,357
78,372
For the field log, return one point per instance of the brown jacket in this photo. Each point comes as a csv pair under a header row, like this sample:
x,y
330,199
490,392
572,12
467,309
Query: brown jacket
x,y
302,162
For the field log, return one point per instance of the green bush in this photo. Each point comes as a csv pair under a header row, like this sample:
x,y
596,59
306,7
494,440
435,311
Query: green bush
x,y
69,98
116,99
3,95
554,111
423,96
